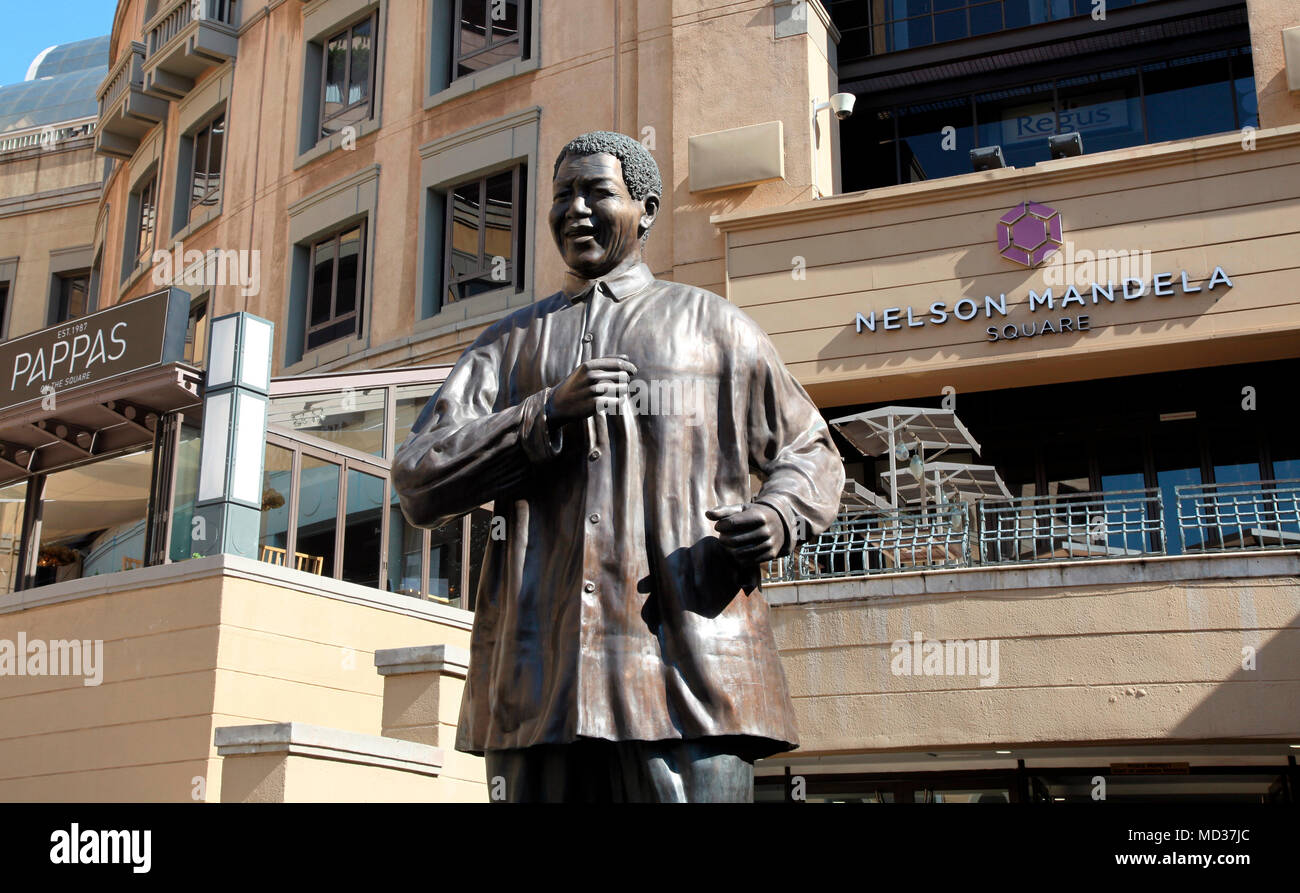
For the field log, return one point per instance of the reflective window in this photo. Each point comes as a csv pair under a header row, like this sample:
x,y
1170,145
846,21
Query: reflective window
x,y
1189,96
445,550
187,488
487,33
277,486
483,235
209,145
12,499
352,419
410,403
405,548
73,301
869,27
334,287
94,519
146,221
318,512
346,96
196,335
363,528
1111,109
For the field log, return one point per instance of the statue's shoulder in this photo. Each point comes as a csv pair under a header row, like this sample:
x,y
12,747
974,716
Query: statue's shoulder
x,y
717,311
523,318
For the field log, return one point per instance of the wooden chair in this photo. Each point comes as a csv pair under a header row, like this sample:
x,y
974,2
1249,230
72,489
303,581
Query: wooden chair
x,y
272,555
131,563
313,564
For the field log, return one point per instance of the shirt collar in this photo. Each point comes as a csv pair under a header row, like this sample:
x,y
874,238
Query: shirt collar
x,y
624,285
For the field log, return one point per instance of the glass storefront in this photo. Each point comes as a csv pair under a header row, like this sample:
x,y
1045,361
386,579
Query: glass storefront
x,y
93,519
1165,99
12,499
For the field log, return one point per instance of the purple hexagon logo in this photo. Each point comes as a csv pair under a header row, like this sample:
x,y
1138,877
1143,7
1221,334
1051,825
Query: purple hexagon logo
x,y
1029,233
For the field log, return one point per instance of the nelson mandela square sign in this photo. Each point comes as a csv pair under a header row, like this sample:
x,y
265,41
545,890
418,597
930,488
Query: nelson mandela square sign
x,y
147,331
1027,235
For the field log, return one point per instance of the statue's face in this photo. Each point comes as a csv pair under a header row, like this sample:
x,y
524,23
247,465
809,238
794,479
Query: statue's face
x,y
594,219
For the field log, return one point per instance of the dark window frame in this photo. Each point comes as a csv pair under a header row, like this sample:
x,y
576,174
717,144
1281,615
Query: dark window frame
x,y
146,220
1234,57
368,101
211,195
518,199
6,291
334,238
520,38
63,279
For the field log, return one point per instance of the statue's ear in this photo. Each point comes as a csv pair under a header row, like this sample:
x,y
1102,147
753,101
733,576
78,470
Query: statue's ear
x,y
649,212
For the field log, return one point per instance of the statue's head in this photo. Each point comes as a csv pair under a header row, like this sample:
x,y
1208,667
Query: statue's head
x,y
606,195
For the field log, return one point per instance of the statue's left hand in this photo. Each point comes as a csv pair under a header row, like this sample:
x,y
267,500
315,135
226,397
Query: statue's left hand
x,y
752,533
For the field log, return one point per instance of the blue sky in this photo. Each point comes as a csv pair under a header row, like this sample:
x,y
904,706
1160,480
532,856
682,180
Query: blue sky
x,y
32,25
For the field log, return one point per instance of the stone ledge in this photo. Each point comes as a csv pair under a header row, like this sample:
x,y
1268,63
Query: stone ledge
x,y
448,660
302,739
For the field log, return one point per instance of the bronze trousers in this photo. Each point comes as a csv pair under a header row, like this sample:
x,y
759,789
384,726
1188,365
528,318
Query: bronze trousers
x,y
699,770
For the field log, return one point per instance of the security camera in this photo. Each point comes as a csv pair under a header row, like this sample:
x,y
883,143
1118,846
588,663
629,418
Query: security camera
x,y
842,105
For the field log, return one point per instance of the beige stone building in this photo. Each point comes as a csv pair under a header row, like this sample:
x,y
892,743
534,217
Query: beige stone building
x,y
1041,280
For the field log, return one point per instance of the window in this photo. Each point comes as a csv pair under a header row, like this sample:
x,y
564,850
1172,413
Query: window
x,y
146,221
871,27
1115,108
484,246
486,33
72,299
348,74
334,290
205,182
196,336
4,309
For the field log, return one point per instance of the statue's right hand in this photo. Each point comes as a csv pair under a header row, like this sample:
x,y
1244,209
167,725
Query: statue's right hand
x,y
578,396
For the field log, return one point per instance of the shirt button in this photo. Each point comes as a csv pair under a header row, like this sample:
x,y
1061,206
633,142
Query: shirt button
x,y
587,337
594,455
594,518
589,587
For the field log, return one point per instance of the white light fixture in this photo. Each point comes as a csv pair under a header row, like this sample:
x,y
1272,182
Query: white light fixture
x,y
235,406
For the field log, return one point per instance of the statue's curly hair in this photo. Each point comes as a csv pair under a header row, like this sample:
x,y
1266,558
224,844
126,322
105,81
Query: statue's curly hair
x,y
640,172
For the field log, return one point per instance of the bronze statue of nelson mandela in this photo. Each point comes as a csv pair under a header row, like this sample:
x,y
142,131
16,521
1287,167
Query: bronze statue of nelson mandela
x,y
621,648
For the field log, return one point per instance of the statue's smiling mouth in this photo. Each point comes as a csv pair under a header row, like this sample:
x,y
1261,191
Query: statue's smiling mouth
x,y
580,233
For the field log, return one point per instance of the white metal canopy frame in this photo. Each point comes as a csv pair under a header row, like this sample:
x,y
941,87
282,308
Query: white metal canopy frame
x,y
923,434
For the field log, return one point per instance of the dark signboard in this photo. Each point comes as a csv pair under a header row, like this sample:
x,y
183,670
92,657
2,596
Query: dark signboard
x,y
90,349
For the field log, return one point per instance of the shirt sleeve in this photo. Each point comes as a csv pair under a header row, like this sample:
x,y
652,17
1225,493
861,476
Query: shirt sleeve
x,y
790,445
462,452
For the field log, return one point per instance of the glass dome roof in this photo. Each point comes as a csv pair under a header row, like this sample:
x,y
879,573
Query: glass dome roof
x,y
62,88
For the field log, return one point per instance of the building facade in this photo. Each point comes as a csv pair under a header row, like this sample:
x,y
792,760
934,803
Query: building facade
x,y
1040,281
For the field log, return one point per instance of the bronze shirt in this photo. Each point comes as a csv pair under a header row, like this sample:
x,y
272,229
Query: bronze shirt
x,y
610,609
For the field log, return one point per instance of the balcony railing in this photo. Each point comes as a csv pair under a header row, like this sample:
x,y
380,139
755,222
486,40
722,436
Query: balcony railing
x,y
126,112
1234,517
180,45
46,137
1076,527
1118,524
875,542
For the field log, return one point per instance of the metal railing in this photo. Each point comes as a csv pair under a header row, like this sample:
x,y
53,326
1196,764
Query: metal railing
x,y
127,72
1119,524
1078,526
1232,517
47,137
172,20
875,542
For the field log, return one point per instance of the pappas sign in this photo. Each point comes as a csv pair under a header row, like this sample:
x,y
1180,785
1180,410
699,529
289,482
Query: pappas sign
x,y
146,332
